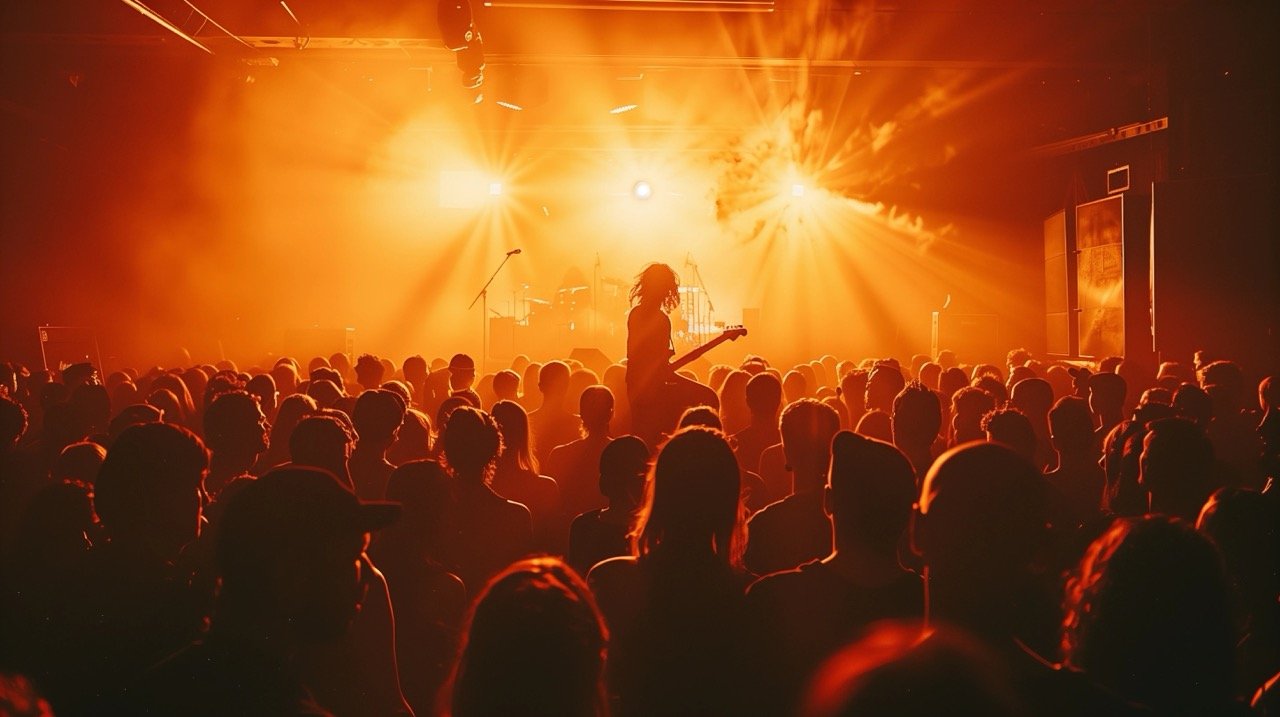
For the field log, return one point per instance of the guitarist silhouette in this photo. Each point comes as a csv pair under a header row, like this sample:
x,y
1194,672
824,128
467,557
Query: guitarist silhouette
x,y
657,394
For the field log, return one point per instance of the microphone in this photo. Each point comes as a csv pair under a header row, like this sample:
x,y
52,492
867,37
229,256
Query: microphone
x,y
513,251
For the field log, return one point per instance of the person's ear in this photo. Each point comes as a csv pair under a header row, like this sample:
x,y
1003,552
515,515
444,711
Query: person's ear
x,y
919,531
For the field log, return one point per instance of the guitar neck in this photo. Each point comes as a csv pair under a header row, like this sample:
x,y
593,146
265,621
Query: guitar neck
x,y
694,355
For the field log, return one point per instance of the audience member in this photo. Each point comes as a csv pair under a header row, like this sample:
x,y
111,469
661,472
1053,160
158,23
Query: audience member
x,y
795,529
486,532
516,477
801,616
606,532
674,608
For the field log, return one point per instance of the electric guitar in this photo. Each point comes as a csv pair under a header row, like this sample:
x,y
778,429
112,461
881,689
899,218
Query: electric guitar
x,y
731,333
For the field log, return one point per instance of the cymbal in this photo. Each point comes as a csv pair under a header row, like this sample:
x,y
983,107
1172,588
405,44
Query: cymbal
x,y
572,289
539,302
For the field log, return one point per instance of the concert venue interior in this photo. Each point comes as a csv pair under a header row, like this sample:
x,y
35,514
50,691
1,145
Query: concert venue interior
x,y
828,173
343,369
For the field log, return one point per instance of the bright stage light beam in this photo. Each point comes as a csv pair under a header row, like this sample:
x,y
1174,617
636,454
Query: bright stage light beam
x,y
622,108
641,190
495,189
797,190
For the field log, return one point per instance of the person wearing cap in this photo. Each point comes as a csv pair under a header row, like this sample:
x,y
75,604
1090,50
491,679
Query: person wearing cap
x,y
803,615
455,378
290,555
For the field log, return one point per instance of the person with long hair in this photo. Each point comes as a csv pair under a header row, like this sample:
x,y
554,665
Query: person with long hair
x,y
486,532
516,475
534,645
675,606
657,395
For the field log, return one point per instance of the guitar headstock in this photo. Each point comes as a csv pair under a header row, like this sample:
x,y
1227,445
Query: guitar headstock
x,y
733,333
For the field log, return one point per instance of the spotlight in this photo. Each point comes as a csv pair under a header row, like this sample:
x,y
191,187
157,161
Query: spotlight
x,y
622,108
641,190
797,190
495,189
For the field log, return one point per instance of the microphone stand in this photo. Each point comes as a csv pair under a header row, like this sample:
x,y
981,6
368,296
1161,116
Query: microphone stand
x,y
483,296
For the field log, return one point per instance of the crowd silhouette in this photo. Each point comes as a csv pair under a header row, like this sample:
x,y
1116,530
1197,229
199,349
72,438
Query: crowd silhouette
x,y
836,537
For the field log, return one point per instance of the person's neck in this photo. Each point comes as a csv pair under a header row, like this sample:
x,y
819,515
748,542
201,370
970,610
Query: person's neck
x,y
863,566
806,479
372,448
1070,460
229,464
973,603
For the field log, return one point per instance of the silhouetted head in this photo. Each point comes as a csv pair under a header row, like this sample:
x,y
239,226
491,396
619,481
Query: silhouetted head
x,y
341,363
657,284
807,429
982,514
150,487
413,442
131,416
285,374
694,498
764,395
168,405
322,441
624,465
472,442
1148,617
1071,426
377,416
1106,394
235,424
513,422
884,383
917,416
1032,396
534,644
951,380
871,492
595,406
1011,427
1193,403
506,385
462,372
968,406
1229,376
369,371
289,550
325,392
414,369
704,416
1177,467
264,387
929,374
795,386
79,463
903,670
876,424
993,386
553,380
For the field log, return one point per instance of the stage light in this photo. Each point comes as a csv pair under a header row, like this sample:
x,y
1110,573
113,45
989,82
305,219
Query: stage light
x,y
510,105
641,190
622,108
797,190
468,189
